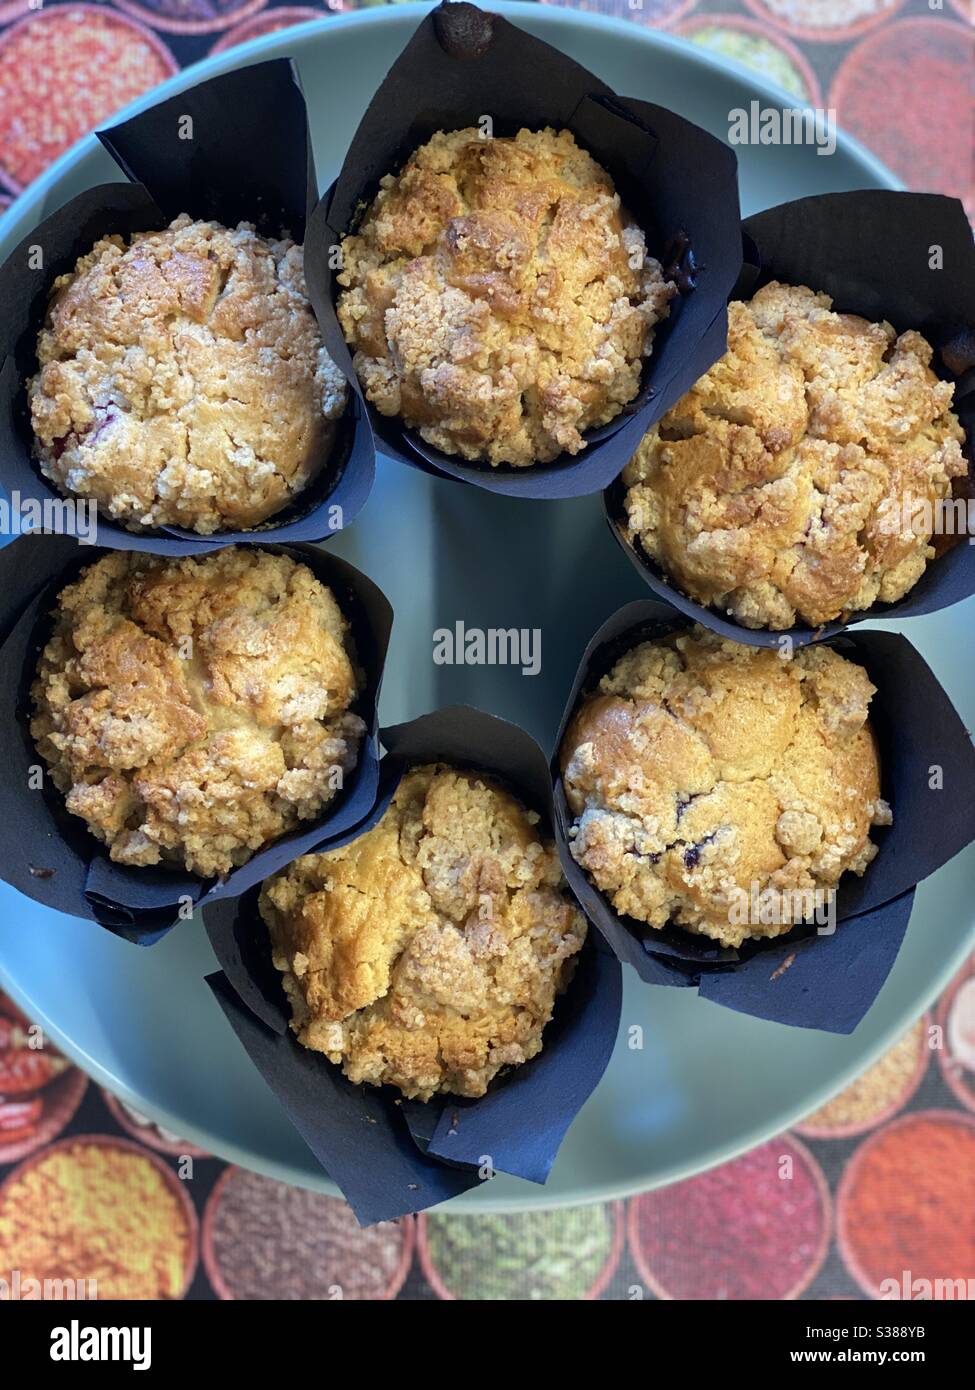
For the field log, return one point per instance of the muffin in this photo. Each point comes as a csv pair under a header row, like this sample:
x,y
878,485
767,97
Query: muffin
x,y
702,772
498,298
780,488
192,710
427,954
183,381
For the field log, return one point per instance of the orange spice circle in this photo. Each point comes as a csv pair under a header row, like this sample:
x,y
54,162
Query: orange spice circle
x,y
63,71
96,1208
905,1209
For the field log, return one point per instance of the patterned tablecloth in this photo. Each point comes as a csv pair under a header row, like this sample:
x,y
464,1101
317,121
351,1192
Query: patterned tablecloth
x,y
878,1185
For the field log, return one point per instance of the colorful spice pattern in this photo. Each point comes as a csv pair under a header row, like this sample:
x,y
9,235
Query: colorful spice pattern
x,y
824,19
880,1187
896,71
759,1226
63,70
907,1214
746,43
905,91
956,1018
99,1211
556,1256
877,1093
265,1241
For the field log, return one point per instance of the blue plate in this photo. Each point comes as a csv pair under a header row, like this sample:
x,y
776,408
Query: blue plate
x,y
707,1083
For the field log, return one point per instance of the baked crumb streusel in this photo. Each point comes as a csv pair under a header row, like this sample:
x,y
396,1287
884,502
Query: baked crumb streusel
x,y
182,379
427,954
776,488
192,710
701,768
498,298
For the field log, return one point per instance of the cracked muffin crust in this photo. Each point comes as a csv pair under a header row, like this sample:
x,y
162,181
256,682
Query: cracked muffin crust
x,y
498,298
192,710
428,953
775,488
182,379
702,767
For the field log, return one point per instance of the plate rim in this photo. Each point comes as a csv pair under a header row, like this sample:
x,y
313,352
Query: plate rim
x,y
30,204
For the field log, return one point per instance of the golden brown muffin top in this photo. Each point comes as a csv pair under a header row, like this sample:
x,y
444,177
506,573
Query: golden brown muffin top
x,y
498,298
427,954
702,767
183,379
774,488
192,710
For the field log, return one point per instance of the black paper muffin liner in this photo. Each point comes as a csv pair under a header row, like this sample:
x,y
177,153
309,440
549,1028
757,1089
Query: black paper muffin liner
x,y
679,182
249,159
392,1156
49,854
802,978
871,251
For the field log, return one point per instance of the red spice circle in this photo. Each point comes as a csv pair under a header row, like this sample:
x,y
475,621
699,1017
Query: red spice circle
x,y
57,1105
905,92
904,1205
839,32
62,72
190,16
740,1231
956,1018
269,23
